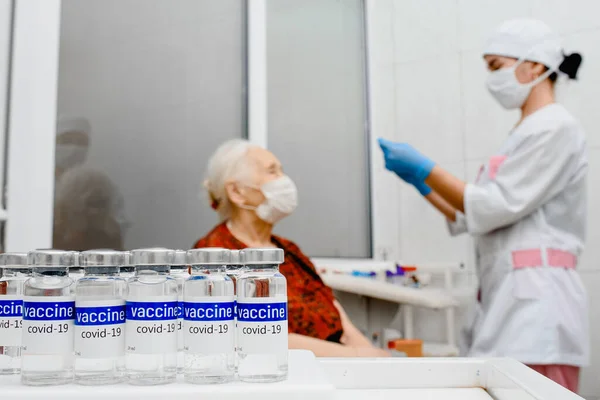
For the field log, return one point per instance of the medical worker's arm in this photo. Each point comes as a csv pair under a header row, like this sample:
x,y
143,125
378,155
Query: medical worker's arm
x,y
436,200
536,171
449,188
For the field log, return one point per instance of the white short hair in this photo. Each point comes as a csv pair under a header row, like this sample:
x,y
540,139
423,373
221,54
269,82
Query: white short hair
x,y
229,162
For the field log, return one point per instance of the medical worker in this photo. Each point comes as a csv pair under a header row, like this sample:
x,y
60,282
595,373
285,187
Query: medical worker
x,y
526,210
88,207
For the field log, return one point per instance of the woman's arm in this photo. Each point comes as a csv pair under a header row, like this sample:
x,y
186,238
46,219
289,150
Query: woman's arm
x,y
448,192
352,335
442,205
323,348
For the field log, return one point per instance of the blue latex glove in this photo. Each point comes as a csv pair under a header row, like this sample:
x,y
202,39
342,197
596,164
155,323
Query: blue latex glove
x,y
406,162
420,186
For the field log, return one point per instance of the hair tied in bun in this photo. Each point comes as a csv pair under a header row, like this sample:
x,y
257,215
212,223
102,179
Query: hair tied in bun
x,y
570,65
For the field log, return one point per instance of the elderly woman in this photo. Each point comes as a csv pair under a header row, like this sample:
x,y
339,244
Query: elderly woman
x,y
249,190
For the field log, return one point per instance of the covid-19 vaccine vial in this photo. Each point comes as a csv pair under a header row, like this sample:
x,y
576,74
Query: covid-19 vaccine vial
x,y
13,273
234,268
262,317
76,270
48,319
127,271
100,318
208,318
179,271
233,271
152,311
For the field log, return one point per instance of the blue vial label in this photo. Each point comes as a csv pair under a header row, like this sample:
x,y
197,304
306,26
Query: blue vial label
x,y
180,309
48,310
152,311
210,311
261,312
48,324
99,328
11,320
11,308
208,325
262,325
152,326
94,316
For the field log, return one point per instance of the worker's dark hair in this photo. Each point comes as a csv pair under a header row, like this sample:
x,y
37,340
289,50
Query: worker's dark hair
x,y
569,66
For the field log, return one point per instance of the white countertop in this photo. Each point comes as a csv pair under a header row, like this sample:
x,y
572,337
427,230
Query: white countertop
x,y
424,297
413,394
339,379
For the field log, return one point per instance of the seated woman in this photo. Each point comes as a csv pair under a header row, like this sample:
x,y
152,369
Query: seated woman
x,y
249,190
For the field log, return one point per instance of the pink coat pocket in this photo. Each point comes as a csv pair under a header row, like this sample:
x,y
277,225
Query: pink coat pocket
x,y
495,163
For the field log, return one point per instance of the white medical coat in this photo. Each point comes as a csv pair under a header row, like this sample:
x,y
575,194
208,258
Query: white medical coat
x,y
527,213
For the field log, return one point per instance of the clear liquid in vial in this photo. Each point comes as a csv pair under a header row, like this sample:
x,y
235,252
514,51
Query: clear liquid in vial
x,y
151,345
209,333
262,325
100,329
47,354
11,321
180,273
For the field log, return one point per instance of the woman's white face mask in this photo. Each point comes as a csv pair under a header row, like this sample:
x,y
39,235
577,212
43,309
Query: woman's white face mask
x,y
506,88
281,199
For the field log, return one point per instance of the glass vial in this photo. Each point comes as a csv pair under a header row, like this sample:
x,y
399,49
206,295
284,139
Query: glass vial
x,y
13,273
100,318
262,317
233,271
127,271
180,271
208,318
151,328
76,270
48,319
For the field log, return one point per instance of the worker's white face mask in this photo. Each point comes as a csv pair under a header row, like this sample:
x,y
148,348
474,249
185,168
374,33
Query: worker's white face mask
x,y
281,199
70,155
506,88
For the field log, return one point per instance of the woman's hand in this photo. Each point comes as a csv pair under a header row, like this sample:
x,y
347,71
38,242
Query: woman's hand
x,y
371,352
352,336
406,161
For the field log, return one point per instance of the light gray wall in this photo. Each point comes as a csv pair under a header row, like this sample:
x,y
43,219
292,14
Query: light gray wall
x,y
430,52
317,121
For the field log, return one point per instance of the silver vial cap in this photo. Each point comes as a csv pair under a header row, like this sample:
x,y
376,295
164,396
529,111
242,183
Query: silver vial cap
x,y
152,256
18,260
109,258
208,256
180,257
235,257
52,257
76,258
261,256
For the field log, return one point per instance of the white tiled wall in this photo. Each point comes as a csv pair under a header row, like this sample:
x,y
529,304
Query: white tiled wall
x,y
441,106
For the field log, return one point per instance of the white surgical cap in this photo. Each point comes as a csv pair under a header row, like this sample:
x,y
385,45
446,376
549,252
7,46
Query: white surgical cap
x,y
72,124
528,39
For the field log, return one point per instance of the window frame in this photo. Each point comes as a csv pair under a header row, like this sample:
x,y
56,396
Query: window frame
x,y
31,125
